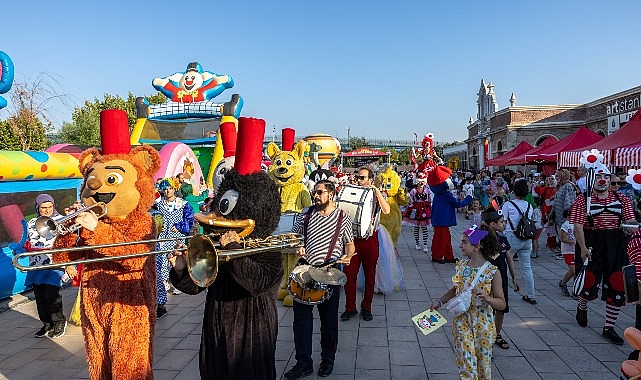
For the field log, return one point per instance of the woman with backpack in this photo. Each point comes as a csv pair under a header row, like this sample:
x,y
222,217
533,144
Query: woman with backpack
x,y
521,245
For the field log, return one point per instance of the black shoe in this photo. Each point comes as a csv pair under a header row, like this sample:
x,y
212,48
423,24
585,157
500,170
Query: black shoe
x,y
440,261
297,372
367,315
612,336
581,317
454,260
161,311
58,330
43,330
348,314
326,368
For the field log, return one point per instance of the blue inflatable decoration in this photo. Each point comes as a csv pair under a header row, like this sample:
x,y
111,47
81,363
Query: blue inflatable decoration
x,y
6,76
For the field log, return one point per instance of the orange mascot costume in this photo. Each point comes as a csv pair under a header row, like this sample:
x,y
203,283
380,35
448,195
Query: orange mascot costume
x,y
118,297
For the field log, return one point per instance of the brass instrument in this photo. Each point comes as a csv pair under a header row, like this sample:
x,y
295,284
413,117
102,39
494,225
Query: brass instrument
x,y
49,228
202,254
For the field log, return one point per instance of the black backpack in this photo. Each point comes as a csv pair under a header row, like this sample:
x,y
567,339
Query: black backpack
x,y
526,228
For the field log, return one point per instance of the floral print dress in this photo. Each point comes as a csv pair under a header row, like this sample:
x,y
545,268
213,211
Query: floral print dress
x,y
474,332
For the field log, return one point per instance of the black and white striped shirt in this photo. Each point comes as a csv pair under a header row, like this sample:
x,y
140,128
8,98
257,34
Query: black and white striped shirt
x,y
320,231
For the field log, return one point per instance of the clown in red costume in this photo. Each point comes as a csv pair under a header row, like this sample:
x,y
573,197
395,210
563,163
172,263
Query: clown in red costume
x,y
194,85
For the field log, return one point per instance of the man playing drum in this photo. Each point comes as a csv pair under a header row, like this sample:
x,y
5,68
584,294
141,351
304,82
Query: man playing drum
x,y
328,233
367,255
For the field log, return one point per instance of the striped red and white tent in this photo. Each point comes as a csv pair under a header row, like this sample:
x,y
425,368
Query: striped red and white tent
x,y
571,159
629,156
628,135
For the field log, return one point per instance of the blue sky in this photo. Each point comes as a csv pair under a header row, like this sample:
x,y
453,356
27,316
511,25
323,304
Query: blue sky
x,y
385,69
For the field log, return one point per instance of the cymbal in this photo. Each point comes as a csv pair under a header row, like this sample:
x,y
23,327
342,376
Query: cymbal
x,y
329,276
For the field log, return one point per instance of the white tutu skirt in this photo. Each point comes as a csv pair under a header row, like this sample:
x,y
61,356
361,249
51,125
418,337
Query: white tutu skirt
x,y
389,272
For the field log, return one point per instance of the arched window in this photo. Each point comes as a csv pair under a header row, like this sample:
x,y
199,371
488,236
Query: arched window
x,y
473,151
499,146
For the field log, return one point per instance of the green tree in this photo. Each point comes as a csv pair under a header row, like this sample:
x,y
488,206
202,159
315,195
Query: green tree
x,y
356,142
27,124
84,129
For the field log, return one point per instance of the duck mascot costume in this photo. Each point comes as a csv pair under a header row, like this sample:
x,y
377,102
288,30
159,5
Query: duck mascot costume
x,y
444,207
287,169
118,297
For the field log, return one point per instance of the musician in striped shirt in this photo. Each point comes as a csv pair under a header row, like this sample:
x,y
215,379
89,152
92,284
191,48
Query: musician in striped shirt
x,y
600,230
328,236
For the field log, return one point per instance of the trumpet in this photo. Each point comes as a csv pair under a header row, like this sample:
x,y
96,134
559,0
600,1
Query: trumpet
x,y
49,228
202,254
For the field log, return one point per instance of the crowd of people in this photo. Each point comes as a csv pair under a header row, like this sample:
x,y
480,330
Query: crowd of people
x,y
494,204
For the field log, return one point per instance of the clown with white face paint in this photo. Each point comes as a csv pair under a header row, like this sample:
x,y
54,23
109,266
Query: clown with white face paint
x,y
597,217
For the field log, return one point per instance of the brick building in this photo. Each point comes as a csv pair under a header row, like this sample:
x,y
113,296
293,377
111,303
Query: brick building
x,y
498,131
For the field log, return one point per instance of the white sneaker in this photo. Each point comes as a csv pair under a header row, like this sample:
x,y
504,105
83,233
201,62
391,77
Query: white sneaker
x,y
418,247
176,292
167,286
426,248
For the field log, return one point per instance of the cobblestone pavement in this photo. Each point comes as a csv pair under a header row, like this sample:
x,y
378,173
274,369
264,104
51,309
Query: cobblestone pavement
x,y
545,340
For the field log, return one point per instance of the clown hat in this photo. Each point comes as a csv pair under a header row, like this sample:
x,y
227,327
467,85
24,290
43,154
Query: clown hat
x,y
194,66
288,139
114,132
421,178
475,235
249,145
438,175
227,133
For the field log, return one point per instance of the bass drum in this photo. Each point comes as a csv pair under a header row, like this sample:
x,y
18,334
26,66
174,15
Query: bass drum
x,y
361,206
304,289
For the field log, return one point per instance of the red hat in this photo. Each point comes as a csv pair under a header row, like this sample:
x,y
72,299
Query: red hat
x,y
288,139
249,146
438,175
227,133
114,132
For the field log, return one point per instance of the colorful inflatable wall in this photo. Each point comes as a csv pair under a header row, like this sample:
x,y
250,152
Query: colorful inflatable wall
x,y
24,175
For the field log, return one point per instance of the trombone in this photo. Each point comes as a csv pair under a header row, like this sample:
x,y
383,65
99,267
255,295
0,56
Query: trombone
x,y
202,254
49,228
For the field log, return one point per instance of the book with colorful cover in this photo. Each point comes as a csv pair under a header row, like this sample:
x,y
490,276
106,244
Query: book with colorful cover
x,y
428,321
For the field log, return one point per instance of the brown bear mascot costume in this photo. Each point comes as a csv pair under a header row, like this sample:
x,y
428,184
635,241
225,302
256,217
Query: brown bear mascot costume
x,y
240,324
118,297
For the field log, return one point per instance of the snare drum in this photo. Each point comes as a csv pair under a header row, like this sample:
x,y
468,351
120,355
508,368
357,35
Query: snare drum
x,y
361,206
304,289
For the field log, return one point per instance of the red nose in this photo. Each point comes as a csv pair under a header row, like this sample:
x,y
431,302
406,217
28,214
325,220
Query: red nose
x,y
601,182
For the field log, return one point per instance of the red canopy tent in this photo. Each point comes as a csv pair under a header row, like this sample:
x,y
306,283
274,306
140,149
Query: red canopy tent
x,y
366,152
523,147
520,159
626,136
578,139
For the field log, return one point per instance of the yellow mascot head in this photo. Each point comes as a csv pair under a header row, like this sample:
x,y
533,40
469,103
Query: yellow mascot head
x,y
389,181
287,167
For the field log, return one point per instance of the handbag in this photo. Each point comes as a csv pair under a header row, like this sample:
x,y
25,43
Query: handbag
x,y
461,302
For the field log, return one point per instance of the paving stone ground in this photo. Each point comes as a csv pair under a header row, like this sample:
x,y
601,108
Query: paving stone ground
x,y
545,340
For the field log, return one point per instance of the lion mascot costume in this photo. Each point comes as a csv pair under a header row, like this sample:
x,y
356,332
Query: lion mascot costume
x,y
118,297
287,169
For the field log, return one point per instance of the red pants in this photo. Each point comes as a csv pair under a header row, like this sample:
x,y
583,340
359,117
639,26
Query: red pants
x,y
367,254
442,244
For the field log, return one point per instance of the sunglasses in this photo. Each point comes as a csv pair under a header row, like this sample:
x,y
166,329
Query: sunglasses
x,y
362,177
320,192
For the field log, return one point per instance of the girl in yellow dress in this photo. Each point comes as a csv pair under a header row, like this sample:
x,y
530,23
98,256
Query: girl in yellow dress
x,y
474,331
